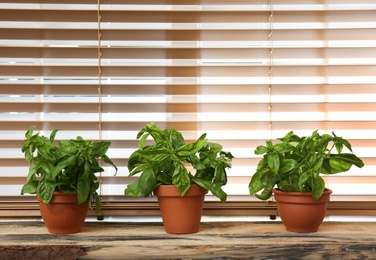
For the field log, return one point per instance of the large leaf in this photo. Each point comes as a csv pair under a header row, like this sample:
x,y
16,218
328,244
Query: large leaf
x,y
349,158
318,186
340,163
192,148
148,182
144,185
287,165
133,189
180,178
173,137
100,148
288,187
283,147
133,161
70,160
45,151
46,190
315,162
33,170
68,147
83,189
84,176
48,168
217,191
220,176
255,185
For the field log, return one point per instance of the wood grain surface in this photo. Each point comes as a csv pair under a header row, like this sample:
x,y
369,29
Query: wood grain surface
x,y
215,240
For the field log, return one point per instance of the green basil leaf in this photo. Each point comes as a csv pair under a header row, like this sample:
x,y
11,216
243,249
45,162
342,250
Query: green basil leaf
x,y
318,186
265,194
180,178
83,189
30,187
100,148
255,185
273,162
45,191
68,147
71,160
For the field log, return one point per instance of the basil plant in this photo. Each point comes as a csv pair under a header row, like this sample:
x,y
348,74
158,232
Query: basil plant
x,y
295,163
69,167
168,159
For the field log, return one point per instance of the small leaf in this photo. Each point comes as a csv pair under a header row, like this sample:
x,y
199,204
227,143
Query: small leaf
x,y
107,160
347,144
100,148
303,178
261,150
273,162
30,187
52,135
98,205
32,172
29,132
265,194
142,141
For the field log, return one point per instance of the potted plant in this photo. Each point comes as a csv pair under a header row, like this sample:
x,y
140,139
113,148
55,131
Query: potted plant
x,y
62,176
164,170
291,170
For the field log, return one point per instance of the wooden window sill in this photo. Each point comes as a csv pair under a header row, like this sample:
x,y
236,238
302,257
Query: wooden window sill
x,y
215,240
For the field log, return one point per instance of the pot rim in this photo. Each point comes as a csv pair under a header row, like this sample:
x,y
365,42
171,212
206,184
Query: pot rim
x,y
327,191
172,190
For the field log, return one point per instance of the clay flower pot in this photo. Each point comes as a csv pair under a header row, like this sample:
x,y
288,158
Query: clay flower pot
x,y
181,215
299,211
63,215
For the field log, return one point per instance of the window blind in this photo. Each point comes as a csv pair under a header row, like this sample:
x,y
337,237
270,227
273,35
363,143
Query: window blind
x,y
241,71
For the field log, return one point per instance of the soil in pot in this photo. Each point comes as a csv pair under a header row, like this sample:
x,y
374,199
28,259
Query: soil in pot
x,y
181,215
299,211
63,215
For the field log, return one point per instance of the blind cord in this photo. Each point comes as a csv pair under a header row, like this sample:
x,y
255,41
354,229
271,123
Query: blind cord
x,y
270,72
100,215
271,90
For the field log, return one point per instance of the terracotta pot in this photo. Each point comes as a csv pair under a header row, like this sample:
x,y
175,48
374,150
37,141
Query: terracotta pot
x,y
299,211
181,215
63,215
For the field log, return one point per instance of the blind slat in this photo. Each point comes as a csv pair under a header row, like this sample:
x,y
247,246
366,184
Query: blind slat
x,y
241,71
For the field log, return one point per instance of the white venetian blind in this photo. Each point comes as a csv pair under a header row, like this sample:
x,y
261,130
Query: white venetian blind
x,y
240,71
